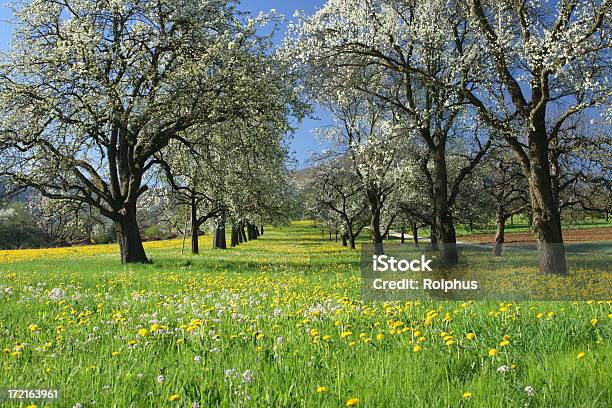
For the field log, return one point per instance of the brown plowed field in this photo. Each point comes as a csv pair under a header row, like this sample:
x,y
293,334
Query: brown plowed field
x,y
574,235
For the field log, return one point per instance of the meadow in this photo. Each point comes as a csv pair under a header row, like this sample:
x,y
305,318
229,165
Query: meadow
x,y
279,322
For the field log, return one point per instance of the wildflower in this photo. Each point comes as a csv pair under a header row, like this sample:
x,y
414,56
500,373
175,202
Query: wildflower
x,y
115,353
34,328
504,343
594,322
493,352
351,402
380,336
416,349
581,355
78,405
197,359
345,334
327,337
321,389
248,377
195,405
530,391
503,368
143,332
467,395
470,336
174,397
160,379
32,406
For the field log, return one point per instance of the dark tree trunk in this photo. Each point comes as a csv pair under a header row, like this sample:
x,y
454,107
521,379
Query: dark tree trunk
x,y
375,209
415,234
500,220
219,241
447,240
195,228
243,235
262,230
130,241
344,239
434,237
256,231
336,235
249,230
546,223
402,237
352,241
235,236
330,234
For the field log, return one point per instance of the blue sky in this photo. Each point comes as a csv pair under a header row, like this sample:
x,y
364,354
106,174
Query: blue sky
x,y
303,141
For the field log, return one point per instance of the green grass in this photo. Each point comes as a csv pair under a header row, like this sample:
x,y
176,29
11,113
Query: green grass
x,y
266,307
520,225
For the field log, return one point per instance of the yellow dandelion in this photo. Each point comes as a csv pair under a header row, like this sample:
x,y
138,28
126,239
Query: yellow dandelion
x,y
174,397
380,336
581,355
470,336
594,322
345,334
321,389
351,402
115,353
416,349
493,352
467,395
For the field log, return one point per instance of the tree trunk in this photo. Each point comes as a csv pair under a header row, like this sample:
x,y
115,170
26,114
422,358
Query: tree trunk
x,y
262,230
434,237
344,239
402,237
546,222
130,241
251,231
235,236
195,228
375,209
447,240
336,235
500,220
243,235
219,241
415,234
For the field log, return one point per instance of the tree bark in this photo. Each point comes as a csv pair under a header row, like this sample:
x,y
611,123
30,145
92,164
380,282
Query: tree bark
x,y
128,234
447,240
434,237
500,220
243,235
262,230
235,236
219,241
402,238
344,239
415,234
375,209
195,229
546,221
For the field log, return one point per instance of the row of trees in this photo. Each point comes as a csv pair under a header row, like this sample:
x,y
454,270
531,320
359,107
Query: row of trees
x,y
424,92
103,100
